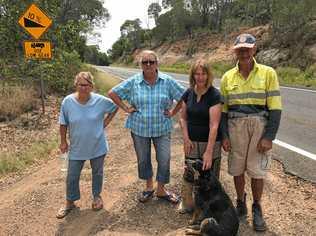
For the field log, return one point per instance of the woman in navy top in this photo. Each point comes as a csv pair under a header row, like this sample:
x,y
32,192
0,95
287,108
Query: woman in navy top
x,y
200,118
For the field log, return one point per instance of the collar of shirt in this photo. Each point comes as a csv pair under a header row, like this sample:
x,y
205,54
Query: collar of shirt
x,y
141,78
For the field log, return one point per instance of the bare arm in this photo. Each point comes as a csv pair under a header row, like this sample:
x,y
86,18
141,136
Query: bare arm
x,y
109,118
188,145
63,138
118,101
174,111
215,117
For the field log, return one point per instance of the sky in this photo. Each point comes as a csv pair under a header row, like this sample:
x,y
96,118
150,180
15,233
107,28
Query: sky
x,y
121,10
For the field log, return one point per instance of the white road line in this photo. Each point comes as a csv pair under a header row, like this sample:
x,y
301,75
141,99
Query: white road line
x,y
299,89
279,142
295,149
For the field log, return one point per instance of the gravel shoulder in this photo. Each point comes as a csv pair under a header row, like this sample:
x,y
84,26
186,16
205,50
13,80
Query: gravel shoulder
x,y
29,201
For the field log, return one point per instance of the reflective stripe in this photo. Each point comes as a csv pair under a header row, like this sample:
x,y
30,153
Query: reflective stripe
x,y
273,93
254,95
247,95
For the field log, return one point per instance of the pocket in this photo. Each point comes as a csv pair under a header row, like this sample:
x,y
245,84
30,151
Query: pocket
x,y
231,87
258,84
265,162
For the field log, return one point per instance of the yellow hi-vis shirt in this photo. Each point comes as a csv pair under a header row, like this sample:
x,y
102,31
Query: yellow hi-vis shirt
x,y
261,88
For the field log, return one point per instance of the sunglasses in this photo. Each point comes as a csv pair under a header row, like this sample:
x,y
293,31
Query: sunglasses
x,y
148,62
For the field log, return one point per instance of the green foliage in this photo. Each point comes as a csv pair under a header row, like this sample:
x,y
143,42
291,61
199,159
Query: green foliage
x,y
219,68
93,56
73,20
292,23
297,77
181,68
153,11
104,82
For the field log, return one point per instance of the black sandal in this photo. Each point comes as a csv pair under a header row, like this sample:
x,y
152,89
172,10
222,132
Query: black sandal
x,y
170,197
146,195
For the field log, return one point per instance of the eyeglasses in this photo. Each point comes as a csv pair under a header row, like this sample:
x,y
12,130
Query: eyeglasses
x,y
148,62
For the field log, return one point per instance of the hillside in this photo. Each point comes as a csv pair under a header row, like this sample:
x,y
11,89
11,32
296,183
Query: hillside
x,y
218,48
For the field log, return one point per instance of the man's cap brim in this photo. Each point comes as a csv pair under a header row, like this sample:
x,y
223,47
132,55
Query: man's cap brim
x,y
244,45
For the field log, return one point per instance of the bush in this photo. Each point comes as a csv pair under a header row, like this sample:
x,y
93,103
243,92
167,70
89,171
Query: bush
x,y
60,72
296,77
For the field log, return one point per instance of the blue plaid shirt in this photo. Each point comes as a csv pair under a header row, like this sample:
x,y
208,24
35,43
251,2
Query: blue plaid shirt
x,y
150,101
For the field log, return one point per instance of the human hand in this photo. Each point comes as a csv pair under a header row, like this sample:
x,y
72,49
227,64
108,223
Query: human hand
x,y
188,146
63,147
169,113
264,145
207,160
226,145
130,109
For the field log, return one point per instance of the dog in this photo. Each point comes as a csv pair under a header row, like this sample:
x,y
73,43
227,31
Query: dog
x,y
214,213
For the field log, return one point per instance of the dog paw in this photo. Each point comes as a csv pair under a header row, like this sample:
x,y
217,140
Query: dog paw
x,y
192,232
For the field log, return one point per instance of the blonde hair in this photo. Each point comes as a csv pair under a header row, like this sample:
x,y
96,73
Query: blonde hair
x,y
148,52
206,67
86,75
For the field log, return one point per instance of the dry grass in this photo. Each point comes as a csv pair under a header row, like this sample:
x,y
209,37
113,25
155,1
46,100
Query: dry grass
x,y
13,162
15,100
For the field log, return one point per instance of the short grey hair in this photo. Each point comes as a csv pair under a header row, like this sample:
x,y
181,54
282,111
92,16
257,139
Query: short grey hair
x,y
148,52
86,75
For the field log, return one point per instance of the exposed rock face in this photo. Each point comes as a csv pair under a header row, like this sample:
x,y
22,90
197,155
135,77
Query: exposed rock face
x,y
312,51
218,48
272,56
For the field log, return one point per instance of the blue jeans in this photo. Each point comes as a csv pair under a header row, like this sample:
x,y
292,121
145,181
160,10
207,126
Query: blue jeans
x,y
142,147
73,177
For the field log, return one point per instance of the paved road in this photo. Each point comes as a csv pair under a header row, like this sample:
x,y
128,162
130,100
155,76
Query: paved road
x,y
296,139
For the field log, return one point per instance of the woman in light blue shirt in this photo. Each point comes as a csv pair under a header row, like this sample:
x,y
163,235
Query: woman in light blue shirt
x,y
150,94
82,113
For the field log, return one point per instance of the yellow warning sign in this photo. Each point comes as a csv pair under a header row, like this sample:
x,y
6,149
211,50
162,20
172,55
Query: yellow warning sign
x,y
37,50
35,21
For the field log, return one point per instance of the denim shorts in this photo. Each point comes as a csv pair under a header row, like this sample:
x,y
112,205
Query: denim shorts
x,y
142,147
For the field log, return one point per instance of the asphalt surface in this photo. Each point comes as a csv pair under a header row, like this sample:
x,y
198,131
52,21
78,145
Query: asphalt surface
x,y
297,129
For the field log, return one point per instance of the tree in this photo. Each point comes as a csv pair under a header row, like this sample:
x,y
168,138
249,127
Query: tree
x,y
153,11
93,56
132,30
72,21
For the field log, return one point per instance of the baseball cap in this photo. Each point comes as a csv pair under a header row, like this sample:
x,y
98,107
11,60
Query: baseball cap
x,y
244,41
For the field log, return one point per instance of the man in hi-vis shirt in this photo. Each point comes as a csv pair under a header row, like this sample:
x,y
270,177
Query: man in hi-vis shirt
x,y
251,118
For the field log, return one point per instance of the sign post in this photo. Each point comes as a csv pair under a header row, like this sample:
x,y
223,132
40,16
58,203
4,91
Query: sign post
x,y
36,22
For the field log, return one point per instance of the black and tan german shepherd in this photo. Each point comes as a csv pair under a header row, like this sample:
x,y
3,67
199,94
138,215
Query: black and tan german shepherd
x,y
214,213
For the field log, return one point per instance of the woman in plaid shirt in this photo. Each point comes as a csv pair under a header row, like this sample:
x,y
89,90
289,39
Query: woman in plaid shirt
x,y
150,96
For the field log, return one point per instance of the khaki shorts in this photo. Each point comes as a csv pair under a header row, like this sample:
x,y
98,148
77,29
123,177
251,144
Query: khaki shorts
x,y
244,134
198,151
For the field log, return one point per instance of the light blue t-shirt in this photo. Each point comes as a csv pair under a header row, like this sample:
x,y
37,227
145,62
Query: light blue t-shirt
x,y
85,123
